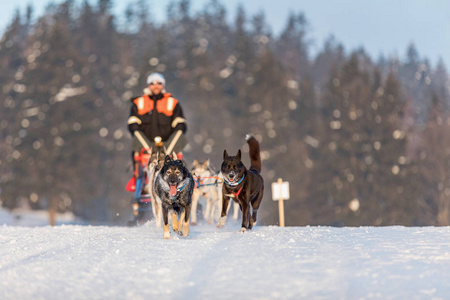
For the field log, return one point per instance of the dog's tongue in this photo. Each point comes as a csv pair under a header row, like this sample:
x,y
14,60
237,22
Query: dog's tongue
x,y
173,190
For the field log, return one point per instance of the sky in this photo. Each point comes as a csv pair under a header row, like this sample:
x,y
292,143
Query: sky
x,y
379,26
270,262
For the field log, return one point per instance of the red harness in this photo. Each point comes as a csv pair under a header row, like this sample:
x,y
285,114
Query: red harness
x,y
238,192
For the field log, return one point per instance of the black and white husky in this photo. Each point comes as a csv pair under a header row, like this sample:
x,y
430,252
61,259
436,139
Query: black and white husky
x,y
174,186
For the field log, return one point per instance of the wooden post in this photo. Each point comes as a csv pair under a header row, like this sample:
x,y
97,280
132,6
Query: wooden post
x,y
281,206
52,210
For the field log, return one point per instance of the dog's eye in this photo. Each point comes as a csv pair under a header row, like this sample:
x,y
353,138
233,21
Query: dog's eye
x,y
168,172
177,172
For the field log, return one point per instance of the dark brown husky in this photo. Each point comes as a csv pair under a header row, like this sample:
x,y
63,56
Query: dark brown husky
x,y
244,186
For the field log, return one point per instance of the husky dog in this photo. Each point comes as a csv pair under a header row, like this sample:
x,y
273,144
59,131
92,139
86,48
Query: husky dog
x,y
155,166
244,186
174,186
207,187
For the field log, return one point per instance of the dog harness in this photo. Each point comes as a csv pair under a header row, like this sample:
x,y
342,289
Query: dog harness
x,y
236,194
199,182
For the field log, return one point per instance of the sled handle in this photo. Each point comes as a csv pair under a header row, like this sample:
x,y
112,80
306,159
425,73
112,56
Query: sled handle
x,y
174,141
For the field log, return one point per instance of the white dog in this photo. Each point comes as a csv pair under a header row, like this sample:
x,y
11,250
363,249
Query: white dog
x,y
209,187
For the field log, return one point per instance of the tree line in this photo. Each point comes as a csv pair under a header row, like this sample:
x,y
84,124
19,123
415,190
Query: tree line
x,y
362,141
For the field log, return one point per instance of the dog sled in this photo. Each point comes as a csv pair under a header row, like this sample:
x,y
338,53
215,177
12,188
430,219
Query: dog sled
x,y
141,201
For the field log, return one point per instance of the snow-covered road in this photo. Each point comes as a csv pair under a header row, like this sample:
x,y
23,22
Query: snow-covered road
x,y
87,262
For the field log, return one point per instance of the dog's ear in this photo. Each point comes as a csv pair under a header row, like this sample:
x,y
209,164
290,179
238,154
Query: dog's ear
x,y
167,159
238,155
225,154
195,162
206,163
182,163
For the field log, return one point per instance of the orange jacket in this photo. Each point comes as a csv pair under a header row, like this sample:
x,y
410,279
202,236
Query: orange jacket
x,y
166,105
163,120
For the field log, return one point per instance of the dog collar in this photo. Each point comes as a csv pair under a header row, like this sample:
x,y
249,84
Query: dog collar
x,y
234,184
181,188
178,191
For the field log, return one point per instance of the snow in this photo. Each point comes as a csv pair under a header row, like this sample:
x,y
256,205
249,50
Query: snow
x,y
26,217
107,262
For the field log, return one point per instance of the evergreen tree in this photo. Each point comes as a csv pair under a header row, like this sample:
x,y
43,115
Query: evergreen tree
x,y
292,46
434,165
13,128
362,144
331,56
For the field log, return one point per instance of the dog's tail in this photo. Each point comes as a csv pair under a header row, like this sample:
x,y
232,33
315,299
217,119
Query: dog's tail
x,y
255,157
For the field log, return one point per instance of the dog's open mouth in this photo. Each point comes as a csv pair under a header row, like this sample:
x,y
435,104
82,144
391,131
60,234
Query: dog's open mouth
x,y
173,190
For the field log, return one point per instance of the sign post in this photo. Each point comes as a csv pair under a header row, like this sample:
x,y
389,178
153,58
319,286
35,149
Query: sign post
x,y
280,192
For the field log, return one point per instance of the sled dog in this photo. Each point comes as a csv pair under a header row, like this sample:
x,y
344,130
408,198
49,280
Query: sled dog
x,y
220,196
244,186
155,166
206,187
174,186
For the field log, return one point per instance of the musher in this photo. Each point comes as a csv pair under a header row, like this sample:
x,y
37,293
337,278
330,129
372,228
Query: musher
x,y
156,115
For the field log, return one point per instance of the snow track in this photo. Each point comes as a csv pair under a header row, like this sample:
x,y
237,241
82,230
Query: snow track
x,y
87,262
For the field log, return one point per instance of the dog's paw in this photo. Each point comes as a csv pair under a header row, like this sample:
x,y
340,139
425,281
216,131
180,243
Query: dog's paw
x,y
166,235
193,223
185,231
222,221
243,229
